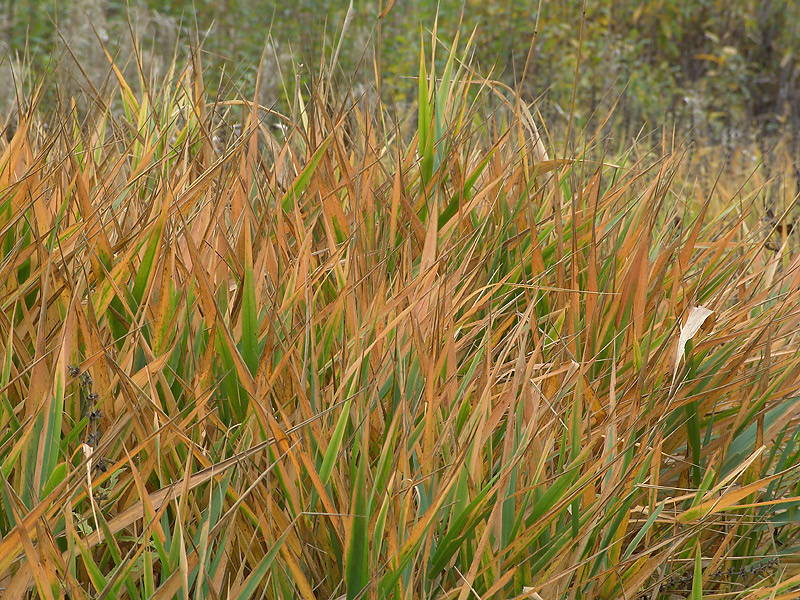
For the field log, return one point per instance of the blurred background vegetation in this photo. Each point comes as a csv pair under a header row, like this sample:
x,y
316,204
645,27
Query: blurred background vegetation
x,y
722,70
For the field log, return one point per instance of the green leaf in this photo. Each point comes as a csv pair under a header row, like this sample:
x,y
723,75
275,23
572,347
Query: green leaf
x,y
335,445
248,589
697,580
424,121
250,352
145,272
357,561
643,531
304,178
57,476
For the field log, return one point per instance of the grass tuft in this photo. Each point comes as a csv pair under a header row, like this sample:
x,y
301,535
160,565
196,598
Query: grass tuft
x,y
346,359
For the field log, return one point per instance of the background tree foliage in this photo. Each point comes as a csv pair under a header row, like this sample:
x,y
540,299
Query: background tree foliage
x,y
719,68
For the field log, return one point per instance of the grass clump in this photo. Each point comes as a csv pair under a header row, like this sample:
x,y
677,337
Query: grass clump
x,y
343,359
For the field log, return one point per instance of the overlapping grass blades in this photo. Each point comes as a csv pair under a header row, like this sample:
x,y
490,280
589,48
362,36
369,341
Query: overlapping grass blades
x,y
336,363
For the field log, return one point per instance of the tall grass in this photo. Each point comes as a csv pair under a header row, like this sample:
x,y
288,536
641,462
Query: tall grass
x,y
323,361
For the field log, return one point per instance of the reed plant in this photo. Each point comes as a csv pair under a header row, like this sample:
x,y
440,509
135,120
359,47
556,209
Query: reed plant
x,y
319,353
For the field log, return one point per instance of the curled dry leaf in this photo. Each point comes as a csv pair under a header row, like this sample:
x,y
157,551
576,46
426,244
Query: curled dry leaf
x,y
697,317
